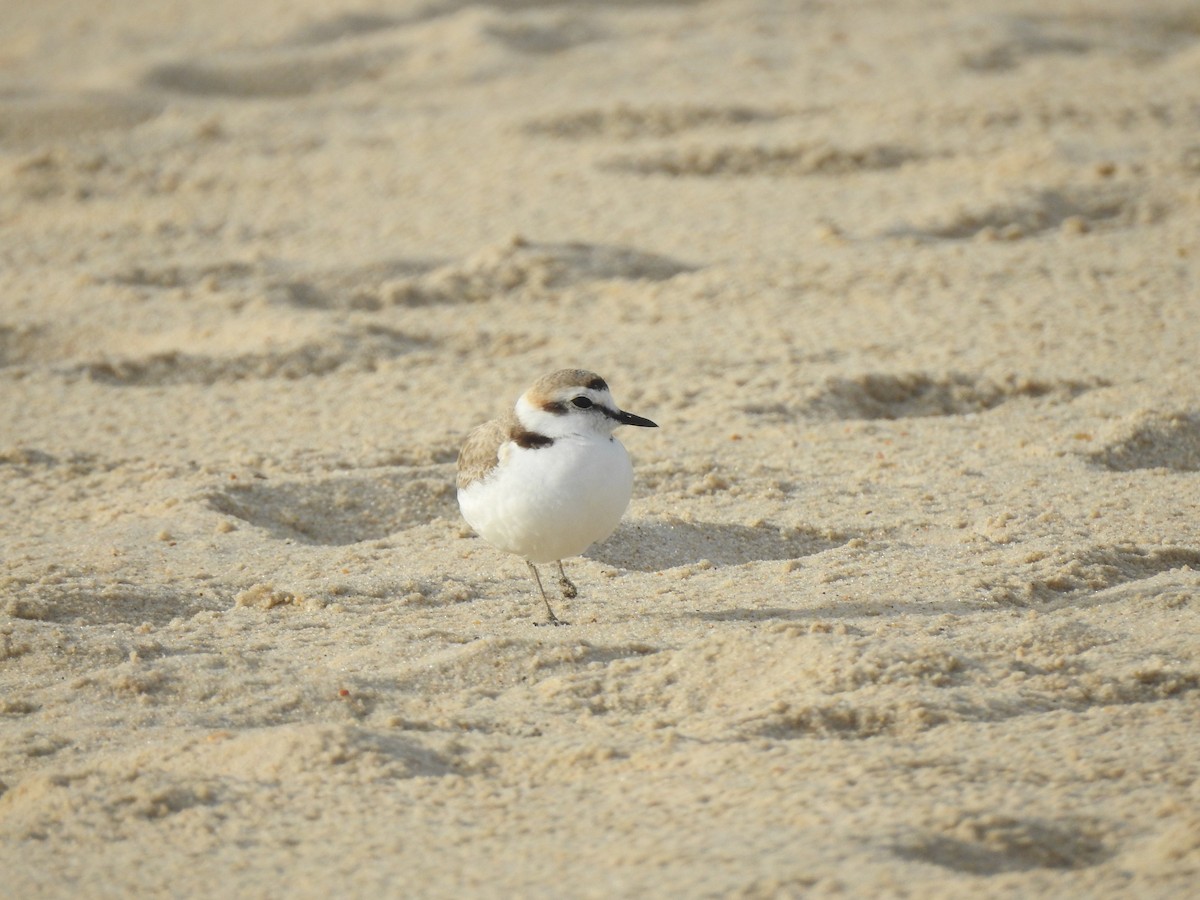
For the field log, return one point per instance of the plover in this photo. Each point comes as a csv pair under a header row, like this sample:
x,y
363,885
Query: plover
x,y
548,480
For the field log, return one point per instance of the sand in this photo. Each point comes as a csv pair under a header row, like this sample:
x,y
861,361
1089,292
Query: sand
x,y
906,600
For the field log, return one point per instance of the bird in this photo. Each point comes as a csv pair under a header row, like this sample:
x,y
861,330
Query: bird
x,y
548,479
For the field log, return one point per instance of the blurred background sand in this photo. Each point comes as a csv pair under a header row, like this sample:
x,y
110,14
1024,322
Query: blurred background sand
x,y
906,599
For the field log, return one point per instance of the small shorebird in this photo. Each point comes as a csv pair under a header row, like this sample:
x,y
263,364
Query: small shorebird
x,y
548,480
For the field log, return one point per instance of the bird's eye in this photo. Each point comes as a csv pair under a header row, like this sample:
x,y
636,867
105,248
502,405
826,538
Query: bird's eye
x,y
582,403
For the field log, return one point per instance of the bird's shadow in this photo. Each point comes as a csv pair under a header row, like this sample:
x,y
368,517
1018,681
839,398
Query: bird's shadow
x,y
653,545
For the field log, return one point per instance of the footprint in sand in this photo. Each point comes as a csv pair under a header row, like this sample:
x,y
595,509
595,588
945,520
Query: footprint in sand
x,y
885,395
745,161
35,119
1070,211
341,509
625,122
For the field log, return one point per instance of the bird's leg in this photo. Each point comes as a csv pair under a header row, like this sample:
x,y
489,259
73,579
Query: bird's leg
x,y
553,620
565,584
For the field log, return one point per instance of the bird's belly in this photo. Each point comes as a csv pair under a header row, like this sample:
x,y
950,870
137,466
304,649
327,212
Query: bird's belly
x,y
551,503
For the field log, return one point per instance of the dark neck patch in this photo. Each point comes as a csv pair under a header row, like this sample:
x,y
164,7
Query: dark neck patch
x,y
531,440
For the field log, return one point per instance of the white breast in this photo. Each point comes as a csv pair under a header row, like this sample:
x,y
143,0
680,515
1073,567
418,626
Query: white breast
x,y
550,503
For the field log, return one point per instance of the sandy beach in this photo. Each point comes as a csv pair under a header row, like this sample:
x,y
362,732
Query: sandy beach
x,y
907,599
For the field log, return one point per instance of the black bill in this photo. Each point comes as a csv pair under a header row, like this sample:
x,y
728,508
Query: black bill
x,y
628,418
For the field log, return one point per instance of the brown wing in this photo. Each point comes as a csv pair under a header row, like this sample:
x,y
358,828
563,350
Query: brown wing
x,y
481,451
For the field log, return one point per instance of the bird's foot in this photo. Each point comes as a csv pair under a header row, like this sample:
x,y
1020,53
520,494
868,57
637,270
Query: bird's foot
x,y
565,584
